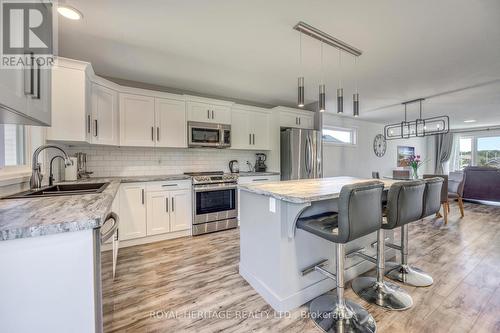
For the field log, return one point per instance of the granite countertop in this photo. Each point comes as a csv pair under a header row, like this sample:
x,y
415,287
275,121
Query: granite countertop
x,y
253,174
306,190
31,217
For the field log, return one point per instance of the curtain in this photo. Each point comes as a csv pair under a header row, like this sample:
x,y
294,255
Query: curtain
x,y
444,145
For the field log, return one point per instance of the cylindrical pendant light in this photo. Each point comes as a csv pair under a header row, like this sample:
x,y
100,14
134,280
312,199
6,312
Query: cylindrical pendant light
x,y
322,96
355,96
300,82
340,100
355,104
300,94
340,90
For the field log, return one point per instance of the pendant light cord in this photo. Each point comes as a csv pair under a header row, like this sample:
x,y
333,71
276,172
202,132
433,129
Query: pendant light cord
x,y
322,69
340,68
356,74
300,53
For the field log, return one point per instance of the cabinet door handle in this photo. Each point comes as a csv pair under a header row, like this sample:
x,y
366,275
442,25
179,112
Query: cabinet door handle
x,y
166,204
260,179
95,127
152,133
168,185
249,139
38,81
31,88
88,124
213,114
253,137
142,196
296,121
208,114
173,204
300,121
157,134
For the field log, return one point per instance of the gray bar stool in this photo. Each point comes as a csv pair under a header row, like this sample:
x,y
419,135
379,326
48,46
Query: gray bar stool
x,y
404,205
360,214
405,273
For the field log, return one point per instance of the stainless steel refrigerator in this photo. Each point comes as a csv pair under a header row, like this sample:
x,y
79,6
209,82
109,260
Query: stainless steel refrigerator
x,y
301,154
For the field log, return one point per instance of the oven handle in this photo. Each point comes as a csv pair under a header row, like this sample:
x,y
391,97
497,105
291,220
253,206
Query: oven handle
x,y
214,188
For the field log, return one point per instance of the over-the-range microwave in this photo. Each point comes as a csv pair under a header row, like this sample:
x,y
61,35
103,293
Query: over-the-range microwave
x,y
209,135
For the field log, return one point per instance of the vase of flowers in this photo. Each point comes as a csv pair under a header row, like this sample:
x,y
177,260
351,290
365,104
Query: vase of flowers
x,y
414,162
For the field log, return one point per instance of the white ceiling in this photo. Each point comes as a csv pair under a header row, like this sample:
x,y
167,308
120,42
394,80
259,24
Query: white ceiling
x,y
247,50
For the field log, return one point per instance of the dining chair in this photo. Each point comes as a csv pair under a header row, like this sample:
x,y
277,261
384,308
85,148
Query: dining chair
x,y
456,182
444,197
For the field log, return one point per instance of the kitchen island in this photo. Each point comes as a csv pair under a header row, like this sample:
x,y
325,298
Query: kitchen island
x,y
273,252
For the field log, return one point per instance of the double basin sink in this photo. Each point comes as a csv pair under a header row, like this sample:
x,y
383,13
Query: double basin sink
x,y
61,189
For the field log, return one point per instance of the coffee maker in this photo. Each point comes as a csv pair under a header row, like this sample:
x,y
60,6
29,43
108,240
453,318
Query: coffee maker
x,y
260,166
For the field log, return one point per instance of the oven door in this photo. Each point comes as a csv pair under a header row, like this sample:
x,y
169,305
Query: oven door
x,y
204,135
215,202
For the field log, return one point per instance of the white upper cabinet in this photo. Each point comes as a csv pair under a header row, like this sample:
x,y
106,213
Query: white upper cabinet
x,y
289,117
250,128
152,122
39,103
70,102
25,95
104,116
171,124
12,90
208,113
137,120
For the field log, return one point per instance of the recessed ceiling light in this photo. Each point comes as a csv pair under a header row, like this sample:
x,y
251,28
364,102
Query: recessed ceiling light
x,y
69,12
470,121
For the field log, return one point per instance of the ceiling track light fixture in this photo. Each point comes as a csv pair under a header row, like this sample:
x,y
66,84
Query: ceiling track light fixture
x,y
325,38
420,127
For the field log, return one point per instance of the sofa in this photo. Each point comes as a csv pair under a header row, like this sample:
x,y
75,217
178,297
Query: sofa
x,y
482,183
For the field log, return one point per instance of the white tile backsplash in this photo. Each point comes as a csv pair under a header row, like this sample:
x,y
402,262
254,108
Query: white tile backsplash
x,y
105,161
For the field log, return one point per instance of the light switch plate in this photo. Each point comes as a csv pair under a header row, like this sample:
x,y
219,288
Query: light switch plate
x,y
272,205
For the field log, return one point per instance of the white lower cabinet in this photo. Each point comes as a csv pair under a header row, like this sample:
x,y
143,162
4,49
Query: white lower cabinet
x,y
156,208
180,211
132,211
158,213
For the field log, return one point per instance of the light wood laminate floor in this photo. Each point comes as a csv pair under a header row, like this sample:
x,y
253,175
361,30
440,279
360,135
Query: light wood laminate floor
x,y
191,284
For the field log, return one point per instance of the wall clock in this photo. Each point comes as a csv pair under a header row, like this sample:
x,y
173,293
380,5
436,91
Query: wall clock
x,y
379,145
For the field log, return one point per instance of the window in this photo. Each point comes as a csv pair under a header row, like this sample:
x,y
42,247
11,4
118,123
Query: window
x,y
12,145
476,150
464,153
339,135
488,151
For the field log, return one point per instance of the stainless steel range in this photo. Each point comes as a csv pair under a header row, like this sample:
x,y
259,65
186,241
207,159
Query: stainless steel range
x,y
215,201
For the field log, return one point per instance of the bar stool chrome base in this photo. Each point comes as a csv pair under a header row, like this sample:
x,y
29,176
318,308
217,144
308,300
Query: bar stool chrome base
x,y
408,275
330,317
384,294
